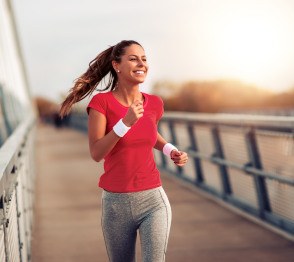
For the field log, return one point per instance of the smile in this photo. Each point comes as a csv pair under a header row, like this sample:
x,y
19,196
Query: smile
x,y
140,72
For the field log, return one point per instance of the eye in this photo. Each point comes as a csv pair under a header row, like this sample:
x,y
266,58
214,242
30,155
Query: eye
x,y
144,59
133,59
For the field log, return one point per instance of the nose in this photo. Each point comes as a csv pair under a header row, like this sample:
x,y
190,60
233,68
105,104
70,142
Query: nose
x,y
141,62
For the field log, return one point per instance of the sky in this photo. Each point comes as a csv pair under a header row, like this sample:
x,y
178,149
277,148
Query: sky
x,y
247,40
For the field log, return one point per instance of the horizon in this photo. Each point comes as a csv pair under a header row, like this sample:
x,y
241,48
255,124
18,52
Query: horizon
x,y
207,41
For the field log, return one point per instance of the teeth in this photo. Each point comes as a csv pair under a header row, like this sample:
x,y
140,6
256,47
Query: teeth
x,y
140,72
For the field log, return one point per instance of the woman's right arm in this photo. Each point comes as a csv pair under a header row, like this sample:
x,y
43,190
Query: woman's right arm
x,y
99,143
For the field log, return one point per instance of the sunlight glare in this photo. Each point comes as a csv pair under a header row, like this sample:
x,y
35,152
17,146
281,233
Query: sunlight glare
x,y
252,43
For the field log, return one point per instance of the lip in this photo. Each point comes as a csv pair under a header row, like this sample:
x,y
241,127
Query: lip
x,y
142,72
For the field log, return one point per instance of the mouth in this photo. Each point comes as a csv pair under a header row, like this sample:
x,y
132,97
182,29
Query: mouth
x,y
139,72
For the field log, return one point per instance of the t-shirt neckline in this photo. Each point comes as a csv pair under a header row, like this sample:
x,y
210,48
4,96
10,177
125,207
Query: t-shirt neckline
x,y
144,103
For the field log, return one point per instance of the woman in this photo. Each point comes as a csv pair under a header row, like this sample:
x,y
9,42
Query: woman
x,y
123,132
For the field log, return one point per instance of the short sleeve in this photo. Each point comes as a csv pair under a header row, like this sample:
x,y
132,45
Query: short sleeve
x,y
160,109
98,103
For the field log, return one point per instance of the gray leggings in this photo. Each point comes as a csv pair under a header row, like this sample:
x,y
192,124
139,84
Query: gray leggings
x,y
123,214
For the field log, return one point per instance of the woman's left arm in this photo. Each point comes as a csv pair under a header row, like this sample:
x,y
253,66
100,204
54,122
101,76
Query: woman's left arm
x,y
180,158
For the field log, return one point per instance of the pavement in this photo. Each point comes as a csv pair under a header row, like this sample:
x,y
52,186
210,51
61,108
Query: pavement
x,y
68,208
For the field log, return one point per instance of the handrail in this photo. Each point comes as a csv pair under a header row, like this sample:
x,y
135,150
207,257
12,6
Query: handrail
x,y
246,168
279,122
11,147
234,158
265,171
17,192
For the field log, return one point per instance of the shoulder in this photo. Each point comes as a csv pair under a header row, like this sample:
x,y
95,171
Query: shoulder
x,y
101,96
156,104
99,102
154,98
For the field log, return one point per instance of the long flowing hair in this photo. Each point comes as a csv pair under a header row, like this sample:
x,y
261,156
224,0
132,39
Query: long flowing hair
x,y
99,68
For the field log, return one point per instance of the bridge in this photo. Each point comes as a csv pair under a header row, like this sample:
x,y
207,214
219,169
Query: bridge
x,y
67,212
233,201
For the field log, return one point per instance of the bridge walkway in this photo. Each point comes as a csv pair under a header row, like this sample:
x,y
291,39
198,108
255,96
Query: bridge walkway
x,y
67,213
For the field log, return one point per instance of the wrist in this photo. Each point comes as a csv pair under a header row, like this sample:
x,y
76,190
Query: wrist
x,y
126,123
168,148
120,128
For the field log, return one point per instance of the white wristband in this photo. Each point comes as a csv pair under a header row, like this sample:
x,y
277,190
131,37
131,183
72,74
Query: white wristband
x,y
168,148
120,128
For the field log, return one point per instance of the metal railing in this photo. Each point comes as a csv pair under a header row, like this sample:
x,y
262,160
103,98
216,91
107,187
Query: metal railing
x,y
248,161
16,193
17,117
245,160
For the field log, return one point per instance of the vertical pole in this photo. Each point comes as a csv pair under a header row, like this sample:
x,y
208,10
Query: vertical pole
x,y
261,190
9,128
163,160
222,168
174,141
196,160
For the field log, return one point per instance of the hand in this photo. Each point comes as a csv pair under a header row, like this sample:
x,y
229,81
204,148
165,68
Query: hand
x,y
134,113
180,158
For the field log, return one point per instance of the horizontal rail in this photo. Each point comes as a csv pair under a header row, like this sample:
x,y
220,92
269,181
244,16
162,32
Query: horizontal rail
x,y
11,148
246,167
264,122
17,122
17,192
246,160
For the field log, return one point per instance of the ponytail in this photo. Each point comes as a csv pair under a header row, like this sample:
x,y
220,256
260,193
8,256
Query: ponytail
x,y
99,67
86,84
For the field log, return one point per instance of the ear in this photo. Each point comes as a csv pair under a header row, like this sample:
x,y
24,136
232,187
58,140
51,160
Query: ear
x,y
115,65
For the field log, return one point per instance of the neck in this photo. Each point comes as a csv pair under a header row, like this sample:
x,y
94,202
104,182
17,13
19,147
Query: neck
x,y
128,93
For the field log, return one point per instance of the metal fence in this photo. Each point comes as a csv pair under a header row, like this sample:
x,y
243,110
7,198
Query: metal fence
x,y
248,161
17,117
245,160
16,193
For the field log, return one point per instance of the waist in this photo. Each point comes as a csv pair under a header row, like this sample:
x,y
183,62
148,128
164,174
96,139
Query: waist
x,y
127,195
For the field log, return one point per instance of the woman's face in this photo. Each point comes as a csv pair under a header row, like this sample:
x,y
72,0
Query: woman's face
x,y
133,66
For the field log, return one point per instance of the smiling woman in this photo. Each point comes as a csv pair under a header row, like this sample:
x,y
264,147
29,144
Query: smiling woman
x,y
122,131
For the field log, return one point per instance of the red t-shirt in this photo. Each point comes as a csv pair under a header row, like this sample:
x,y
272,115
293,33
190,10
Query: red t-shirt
x,y
130,165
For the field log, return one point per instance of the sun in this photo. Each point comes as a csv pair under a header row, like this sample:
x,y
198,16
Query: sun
x,y
254,45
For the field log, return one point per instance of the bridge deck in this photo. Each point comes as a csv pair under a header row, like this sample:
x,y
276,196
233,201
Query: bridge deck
x,y
67,213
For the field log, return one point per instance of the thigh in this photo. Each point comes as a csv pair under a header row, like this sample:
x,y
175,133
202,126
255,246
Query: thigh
x,y
154,232
119,230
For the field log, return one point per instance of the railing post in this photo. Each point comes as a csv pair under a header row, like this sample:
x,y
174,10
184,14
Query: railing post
x,y
9,128
163,160
222,168
261,189
196,160
174,141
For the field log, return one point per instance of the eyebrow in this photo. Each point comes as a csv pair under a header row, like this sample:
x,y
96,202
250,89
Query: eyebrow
x,y
137,56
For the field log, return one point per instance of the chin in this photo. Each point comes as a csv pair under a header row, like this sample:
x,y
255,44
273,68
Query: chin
x,y
139,81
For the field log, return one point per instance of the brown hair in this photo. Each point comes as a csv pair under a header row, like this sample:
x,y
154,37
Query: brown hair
x,y
99,68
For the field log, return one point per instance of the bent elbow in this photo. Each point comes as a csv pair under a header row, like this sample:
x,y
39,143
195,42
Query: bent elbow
x,y
96,157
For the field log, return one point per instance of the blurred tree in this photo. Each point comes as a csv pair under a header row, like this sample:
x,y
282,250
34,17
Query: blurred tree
x,y
165,89
220,95
46,107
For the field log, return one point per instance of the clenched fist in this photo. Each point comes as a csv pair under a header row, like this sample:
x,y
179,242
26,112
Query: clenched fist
x,y
180,158
134,113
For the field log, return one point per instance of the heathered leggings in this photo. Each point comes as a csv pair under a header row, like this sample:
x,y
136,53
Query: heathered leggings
x,y
123,214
